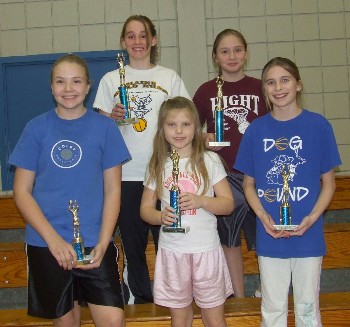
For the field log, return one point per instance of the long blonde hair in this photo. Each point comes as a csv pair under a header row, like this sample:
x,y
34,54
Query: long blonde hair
x,y
162,149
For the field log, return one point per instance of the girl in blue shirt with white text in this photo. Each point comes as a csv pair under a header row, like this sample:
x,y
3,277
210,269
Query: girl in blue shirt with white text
x,y
71,153
288,155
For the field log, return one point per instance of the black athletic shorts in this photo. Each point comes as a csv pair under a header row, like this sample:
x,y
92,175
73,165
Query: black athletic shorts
x,y
53,290
243,217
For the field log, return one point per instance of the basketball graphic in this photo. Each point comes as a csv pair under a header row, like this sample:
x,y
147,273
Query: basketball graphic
x,y
240,116
270,195
282,143
187,185
140,125
66,154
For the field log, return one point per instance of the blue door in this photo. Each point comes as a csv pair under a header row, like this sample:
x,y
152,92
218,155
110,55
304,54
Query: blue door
x,y
25,93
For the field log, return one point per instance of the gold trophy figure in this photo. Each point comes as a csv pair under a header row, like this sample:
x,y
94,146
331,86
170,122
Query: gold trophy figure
x,y
124,94
285,208
219,117
78,243
174,197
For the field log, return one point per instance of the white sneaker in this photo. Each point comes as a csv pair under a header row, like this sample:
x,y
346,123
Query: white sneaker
x,y
257,294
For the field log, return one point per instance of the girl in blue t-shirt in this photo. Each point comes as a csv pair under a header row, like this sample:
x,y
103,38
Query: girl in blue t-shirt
x,y
287,158
66,159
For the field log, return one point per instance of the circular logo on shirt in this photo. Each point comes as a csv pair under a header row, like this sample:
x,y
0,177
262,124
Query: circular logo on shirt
x,y
66,154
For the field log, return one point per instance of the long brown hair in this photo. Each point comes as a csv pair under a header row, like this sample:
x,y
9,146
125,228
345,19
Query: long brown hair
x,y
161,147
291,68
150,30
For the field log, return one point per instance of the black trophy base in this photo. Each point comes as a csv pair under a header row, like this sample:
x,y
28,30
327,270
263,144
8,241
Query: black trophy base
x,y
169,229
85,261
127,121
219,143
285,227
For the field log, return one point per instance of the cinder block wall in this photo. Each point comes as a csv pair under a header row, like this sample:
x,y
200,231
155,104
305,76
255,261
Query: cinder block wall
x,y
313,33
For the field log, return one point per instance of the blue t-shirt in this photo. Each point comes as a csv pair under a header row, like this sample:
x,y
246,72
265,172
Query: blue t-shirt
x,y
69,158
307,146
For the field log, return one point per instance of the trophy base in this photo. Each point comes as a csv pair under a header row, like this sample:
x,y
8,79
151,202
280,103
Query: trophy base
x,y
127,121
219,143
85,261
285,227
169,229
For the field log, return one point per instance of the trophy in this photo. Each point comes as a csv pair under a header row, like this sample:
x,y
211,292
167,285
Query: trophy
x,y
78,243
124,94
174,198
219,117
285,208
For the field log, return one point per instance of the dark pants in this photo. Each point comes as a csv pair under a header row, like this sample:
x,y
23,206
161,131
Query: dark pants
x,y
243,217
134,234
53,290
